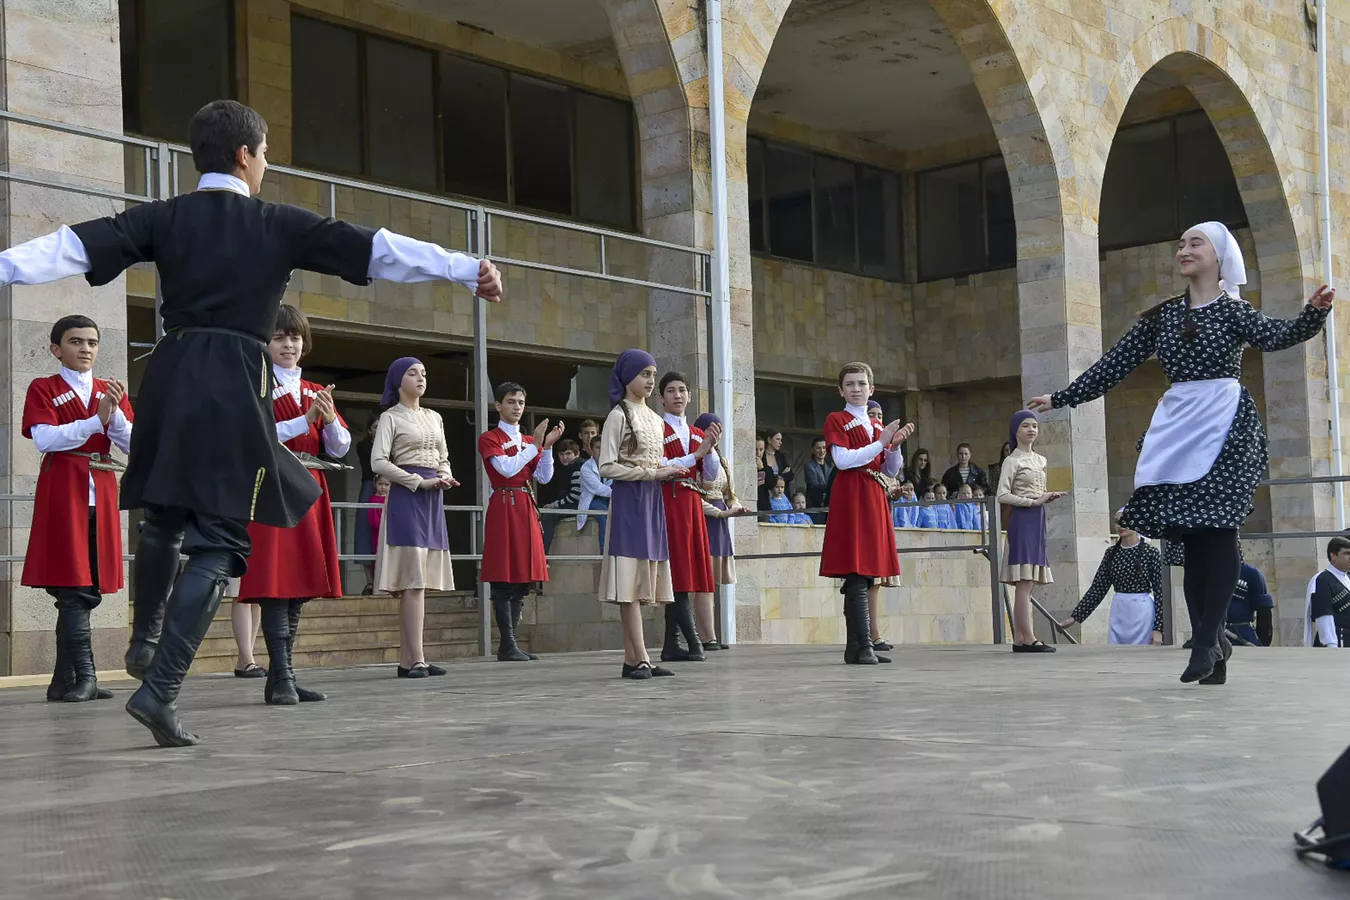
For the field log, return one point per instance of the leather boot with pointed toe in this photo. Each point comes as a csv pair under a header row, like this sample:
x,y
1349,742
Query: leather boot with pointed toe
x,y
156,567
507,651
280,687
305,694
80,647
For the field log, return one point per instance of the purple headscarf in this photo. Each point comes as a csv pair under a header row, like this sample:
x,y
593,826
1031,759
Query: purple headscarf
x,y
1018,418
872,404
628,366
703,421
397,370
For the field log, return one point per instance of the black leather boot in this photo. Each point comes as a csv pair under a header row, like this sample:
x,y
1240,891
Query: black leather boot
x,y
684,617
1220,673
507,651
850,630
279,689
671,651
74,621
293,615
157,558
63,676
855,587
518,614
196,597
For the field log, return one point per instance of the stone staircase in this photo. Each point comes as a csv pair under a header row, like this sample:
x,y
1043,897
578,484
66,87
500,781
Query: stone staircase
x,y
352,631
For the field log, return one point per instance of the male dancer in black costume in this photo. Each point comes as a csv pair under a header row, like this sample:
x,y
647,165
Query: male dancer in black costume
x,y
204,458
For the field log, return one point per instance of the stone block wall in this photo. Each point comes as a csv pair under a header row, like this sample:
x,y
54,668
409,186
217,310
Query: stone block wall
x,y
966,329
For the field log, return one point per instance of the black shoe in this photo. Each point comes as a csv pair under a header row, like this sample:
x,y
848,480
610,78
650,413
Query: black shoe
x,y
660,672
80,652
671,651
280,687
881,645
709,646
684,618
502,611
1202,663
1220,673
368,590
187,617
156,567
1034,647
640,672
418,671
293,619
252,670
433,670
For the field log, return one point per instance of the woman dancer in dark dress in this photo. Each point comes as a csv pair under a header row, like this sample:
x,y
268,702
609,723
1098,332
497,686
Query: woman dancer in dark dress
x,y
1205,450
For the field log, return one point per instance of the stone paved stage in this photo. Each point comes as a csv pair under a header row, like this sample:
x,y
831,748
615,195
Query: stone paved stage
x,y
958,772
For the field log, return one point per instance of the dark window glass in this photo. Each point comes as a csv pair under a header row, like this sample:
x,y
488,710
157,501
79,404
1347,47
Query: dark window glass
x,y
773,404
473,116
183,61
129,27
879,217
541,143
788,186
604,154
836,214
1139,188
326,96
998,211
754,176
951,226
1206,187
401,113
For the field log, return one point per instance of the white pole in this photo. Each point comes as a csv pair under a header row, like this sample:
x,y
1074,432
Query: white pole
x,y
1324,214
720,320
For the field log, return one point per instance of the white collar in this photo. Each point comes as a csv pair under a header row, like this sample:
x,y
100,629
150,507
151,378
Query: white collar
x,y
512,431
1125,546
1343,576
221,181
675,421
288,377
82,381
858,412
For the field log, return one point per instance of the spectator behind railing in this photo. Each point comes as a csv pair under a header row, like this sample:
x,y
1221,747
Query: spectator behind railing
x,y
964,472
595,491
920,471
819,471
778,500
567,493
967,514
946,515
775,466
928,514
798,517
906,515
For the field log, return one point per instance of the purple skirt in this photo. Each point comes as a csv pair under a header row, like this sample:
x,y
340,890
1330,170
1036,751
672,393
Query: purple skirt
x,y
719,533
1026,537
637,521
415,518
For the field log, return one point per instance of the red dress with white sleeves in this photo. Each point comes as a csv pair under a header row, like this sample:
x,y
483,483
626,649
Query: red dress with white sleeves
x,y
686,528
513,543
859,534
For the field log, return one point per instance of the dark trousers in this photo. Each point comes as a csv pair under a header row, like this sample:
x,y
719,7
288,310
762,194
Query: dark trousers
x,y
1210,576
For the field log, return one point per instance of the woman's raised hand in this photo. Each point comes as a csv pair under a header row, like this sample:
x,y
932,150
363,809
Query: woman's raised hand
x,y
1040,404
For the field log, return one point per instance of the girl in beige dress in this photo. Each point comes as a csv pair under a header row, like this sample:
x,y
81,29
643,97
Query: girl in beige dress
x,y
414,550
1021,485
636,567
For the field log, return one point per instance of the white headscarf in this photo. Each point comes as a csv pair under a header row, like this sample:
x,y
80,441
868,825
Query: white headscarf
x,y
1232,267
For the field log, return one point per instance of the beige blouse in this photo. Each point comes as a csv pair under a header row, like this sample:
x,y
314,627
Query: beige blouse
x,y
409,437
720,487
632,454
1021,480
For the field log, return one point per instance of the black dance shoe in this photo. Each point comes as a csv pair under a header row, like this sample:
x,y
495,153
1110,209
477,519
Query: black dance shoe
x,y
882,645
418,671
1220,673
433,670
252,670
1202,663
640,672
1033,647
161,719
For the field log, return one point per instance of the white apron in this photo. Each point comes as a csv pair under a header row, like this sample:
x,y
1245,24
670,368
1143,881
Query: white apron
x,y
1187,432
1131,619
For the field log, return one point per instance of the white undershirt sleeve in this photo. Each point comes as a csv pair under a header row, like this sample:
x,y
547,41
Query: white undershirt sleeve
x,y
712,466
337,440
543,473
290,429
845,458
54,438
396,257
508,466
119,431
890,466
1326,630
48,258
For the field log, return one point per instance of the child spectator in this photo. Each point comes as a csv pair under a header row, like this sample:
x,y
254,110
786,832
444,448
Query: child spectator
x,y
905,514
375,515
778,500
967,514
798,517
568,477
595,491
928,517
946,515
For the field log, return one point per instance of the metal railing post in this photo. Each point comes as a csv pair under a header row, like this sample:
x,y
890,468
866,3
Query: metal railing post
x,y
995,555
481,388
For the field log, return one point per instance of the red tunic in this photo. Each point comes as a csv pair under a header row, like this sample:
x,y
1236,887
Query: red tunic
x,y
686,528
513,543
859,535
298,563
58,546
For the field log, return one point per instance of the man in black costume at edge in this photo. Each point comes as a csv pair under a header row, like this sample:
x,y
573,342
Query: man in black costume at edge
x,y
204,458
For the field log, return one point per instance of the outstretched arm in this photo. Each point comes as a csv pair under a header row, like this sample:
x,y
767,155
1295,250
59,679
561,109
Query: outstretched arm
x,y
1128,354
1269,334
48,258
396,257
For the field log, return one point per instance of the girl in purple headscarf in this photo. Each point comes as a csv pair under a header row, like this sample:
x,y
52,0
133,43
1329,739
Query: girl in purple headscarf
x,y
636,567
1021,485
414,549
720,504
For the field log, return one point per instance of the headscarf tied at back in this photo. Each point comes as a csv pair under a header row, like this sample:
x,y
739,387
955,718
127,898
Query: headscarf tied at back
x,y
1232,267
703,421
872,404
397,370
1018,418
628,366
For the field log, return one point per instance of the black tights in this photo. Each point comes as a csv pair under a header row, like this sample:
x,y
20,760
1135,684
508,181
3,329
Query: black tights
x,y
1211,576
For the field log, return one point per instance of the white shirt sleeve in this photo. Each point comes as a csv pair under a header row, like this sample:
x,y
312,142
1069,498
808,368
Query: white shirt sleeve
x,y
890,466
543,473
119,431
686,461
593,484
845,458
290,429
396,257
712,466
337,440
1326,630
52,438
48,258
507,466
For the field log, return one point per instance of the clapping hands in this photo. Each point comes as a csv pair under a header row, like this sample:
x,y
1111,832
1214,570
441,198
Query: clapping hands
x,y
543,437
111,399
323,407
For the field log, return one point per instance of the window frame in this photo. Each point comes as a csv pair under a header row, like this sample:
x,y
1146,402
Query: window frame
x,y
232,68
981,162
765,143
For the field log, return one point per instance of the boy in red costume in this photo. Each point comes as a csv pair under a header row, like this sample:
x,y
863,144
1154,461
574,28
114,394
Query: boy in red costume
x,y
691,569
513,542
859,535
75,548
289,566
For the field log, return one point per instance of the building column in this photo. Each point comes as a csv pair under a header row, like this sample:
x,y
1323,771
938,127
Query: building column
x,y
61,62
